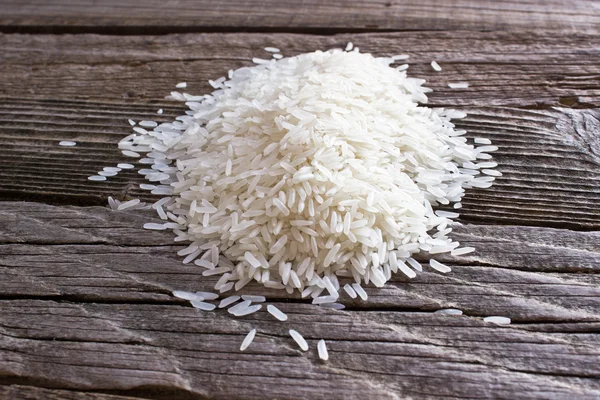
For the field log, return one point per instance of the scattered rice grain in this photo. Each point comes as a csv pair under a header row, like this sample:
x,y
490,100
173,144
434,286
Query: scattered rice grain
x,y
248,339
276,312
299,339
322,349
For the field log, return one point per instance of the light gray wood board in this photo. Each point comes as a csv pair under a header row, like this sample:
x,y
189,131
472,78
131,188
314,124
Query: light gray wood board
x,y
85,87
133,347
97,272
89,254
502,68
26,392
287,15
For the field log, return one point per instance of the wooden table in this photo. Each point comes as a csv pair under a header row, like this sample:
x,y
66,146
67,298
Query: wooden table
x,y
86,310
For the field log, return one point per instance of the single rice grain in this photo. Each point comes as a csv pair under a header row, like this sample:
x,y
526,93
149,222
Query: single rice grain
x,y
299,339
248,339
322,349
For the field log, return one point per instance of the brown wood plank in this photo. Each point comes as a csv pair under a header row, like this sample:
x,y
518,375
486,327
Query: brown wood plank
x,y
289,15
85,294
95,254
24,392
84,87
515,69
372,354
87,310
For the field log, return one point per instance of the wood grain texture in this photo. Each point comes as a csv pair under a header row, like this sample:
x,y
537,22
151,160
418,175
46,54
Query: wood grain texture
x,y
503,68
288,15
84,87
100,274
86,310
99,254
24,392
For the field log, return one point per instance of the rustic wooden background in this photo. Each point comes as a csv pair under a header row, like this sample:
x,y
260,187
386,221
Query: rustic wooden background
x,y
85,304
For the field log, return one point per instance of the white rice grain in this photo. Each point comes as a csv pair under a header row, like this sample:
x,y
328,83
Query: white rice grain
x,y
276,312
248,310
254,299
324,299
360,291
252,260
228,301
498,320
487,148
148,124
128,204
415,264
208,295
461,251
438,266
348,289
111,169
322,349
299,339
216,271
449,311
226,287
458,85
130,153
112,203
491,172
204,264
201,305
187,295
259,61
239,307
248,340
482,141
447,214
155,227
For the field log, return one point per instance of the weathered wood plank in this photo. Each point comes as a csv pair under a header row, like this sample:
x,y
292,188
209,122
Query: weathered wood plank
x,y
23,392
95,254
84,87
503,68
86,296
551,174
287,15
373,354
97,272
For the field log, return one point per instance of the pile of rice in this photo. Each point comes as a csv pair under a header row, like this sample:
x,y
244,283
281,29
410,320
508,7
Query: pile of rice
x,y
300,170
